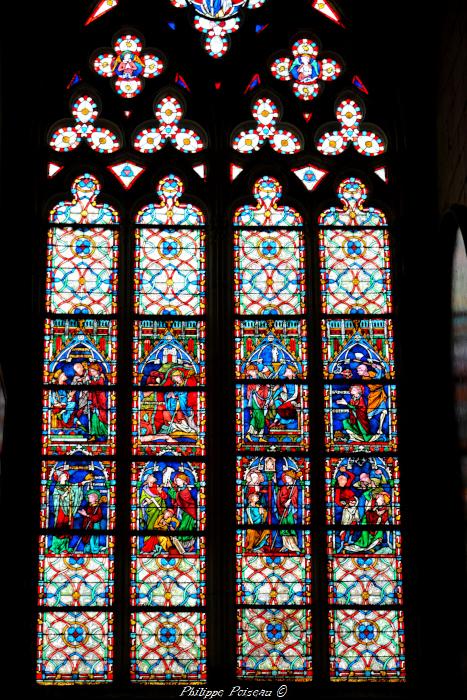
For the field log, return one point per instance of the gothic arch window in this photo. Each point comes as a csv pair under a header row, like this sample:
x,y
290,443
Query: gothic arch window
x,y
76,550
273,492
220,492
169,425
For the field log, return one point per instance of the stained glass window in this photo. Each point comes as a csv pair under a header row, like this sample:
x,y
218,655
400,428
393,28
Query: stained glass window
x,y
273,492
170,128
127,65
362,480
367,140
217,19
267,129
169,425
309,389
78,486
306,71
85,127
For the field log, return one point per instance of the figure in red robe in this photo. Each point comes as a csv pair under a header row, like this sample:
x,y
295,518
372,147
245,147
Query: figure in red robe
x,y
342,492
176,411
92,516
97,404
287,508
186,505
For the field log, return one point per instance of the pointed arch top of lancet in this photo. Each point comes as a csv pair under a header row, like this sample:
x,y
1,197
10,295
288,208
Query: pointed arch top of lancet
x,y
352,194
169,210
267,192
83,207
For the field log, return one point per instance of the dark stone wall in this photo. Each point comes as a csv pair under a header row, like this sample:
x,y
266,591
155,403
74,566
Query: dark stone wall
x,y
452,112
452,202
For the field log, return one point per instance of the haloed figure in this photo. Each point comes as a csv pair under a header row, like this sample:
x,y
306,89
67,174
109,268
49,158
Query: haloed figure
x,y
186,507
152,504
66,500
98,404
357,424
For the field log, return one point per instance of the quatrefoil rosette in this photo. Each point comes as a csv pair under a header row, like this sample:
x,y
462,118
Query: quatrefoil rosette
x,y
185,136
267,128
128,65
217,19
101,136
307,72
367,139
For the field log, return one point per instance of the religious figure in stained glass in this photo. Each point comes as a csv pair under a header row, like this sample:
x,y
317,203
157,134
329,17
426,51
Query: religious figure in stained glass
x,y
272,360
357,425
162,347
80,407
306,71
358,349
273,480
165,418
75,368
78,417
166,499
273,542
167,491
128,65
80,347
214,9
77,495
271,346
363,494
361,414
169,281
69,482
359,482
273,495
267,542
272,414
